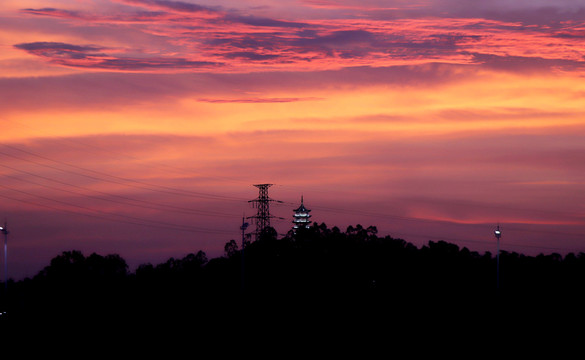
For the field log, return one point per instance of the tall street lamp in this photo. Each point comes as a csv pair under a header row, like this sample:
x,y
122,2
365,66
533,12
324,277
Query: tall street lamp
x,y
4,230
498,234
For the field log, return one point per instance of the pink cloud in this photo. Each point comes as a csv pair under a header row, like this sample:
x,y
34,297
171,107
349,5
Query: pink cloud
x,y
87,56
137,16
177,6
198,36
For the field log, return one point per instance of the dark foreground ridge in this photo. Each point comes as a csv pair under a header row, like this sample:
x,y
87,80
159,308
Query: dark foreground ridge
x,y
317,273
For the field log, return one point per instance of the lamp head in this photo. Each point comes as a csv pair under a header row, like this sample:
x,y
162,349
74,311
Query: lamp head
x,y
498,233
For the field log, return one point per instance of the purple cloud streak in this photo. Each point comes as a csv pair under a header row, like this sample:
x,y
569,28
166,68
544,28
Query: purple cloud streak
x,y
211,36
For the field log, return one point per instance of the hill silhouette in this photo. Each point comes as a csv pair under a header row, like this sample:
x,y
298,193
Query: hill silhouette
x,y
353,273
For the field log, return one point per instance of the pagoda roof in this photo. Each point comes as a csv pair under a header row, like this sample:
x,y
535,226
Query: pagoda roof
x,y
301,208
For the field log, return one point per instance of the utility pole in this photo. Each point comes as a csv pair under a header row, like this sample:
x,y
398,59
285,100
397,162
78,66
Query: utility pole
x,y
243,228
263,216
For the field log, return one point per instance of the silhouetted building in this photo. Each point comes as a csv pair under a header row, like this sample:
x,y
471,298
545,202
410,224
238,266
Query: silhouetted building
x,y
301,217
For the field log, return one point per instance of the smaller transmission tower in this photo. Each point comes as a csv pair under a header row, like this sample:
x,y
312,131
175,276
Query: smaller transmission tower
x,y
262,217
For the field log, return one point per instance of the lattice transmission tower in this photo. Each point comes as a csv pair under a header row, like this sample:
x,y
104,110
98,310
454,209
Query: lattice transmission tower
x,y
262,203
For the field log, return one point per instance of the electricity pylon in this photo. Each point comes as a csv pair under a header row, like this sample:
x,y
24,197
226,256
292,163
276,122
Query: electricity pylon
x,y
262,217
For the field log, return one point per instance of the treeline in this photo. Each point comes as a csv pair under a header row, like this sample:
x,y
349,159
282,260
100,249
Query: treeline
x,y
312,269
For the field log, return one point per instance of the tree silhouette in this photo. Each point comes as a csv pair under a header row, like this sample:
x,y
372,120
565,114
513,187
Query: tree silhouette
x,y
231,248
309,270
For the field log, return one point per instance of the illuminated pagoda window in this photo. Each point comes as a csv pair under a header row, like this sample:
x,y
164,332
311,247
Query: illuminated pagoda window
x,y
301,217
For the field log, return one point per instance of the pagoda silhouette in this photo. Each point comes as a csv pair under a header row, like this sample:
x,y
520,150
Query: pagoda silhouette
x,y
301,217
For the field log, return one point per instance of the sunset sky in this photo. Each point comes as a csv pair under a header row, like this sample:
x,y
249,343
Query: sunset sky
x,y
138,127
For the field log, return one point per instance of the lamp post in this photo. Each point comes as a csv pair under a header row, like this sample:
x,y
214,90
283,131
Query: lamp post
x,y
498,234
4,231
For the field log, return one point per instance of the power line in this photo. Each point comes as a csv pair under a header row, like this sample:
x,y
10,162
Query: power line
x,y
131,219
148,186
124,199
117,179
85,144
173,191
147,224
